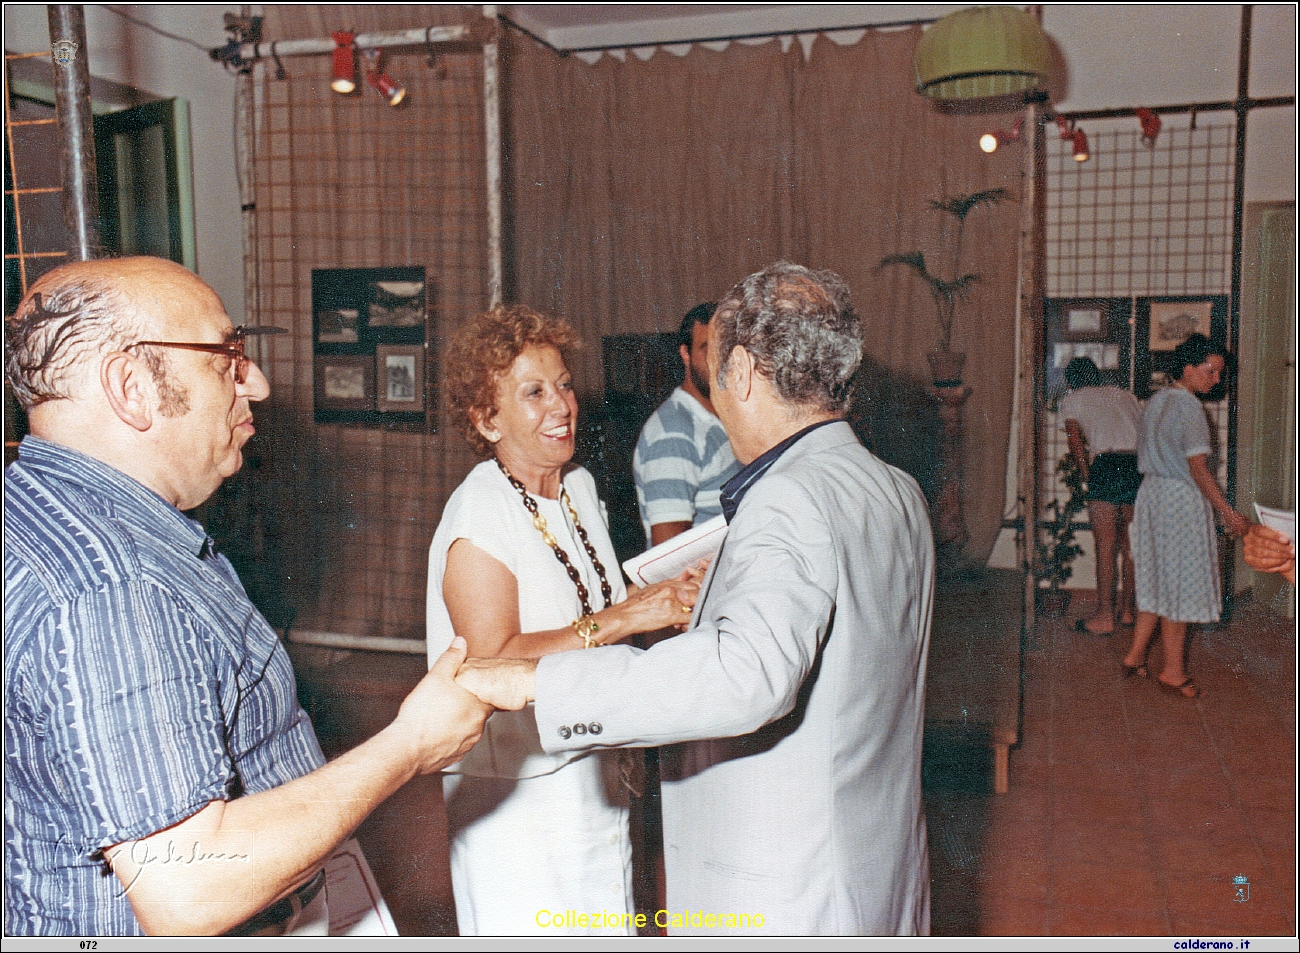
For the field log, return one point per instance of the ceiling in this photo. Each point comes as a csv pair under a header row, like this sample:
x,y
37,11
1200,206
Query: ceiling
x,y
570,26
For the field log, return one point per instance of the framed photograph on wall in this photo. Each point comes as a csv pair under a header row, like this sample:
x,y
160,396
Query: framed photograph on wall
x,y
399,373
397,304
1096,328
1170,323
338,325
345,382
378,319
1166,321
1087,321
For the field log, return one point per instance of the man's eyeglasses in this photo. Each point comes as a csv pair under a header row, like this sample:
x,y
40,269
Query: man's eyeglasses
x,y
233,349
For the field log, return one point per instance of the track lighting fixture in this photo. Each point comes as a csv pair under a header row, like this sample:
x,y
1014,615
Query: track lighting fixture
x,y
345,63
381,81
1150,126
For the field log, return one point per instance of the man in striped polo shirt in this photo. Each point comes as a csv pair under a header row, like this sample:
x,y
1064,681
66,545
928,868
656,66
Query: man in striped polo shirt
x,y
683,456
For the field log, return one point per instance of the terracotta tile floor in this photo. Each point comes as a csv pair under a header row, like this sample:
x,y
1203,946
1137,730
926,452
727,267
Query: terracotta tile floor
x,y
1130,810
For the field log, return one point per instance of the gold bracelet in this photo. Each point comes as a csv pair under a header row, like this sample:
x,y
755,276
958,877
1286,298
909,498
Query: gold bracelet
x,y
587,627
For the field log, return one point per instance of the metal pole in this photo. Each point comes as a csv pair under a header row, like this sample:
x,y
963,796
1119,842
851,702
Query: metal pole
x,y
76,128
364,41
1033,286
1234,307
492,132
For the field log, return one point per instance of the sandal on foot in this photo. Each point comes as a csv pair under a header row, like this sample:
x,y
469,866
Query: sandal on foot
x,y
1081,626
1187,688
1139,670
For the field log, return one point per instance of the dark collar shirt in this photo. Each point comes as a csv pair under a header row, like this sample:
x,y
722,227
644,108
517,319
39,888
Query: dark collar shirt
x,y
734,490
141,682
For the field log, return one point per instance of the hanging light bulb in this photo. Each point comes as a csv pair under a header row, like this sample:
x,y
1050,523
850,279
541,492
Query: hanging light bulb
x,y
377,78
345,63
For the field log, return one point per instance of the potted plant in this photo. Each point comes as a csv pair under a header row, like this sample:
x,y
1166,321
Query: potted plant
x,y
1054,553
946,364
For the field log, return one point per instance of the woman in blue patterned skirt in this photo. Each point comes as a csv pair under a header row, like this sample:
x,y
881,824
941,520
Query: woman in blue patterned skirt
x,y
1174,550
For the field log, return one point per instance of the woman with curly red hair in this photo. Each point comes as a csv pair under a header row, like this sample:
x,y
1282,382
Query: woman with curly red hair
x,y
522,566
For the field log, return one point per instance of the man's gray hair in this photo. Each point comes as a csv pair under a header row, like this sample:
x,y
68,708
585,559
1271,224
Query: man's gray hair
x,y
801,329
69,319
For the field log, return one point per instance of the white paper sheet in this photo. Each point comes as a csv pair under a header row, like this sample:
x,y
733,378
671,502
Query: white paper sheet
x,y
1281,520
684,550
355,904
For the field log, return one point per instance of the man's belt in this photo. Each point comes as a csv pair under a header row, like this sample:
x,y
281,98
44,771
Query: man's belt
x,y
284,909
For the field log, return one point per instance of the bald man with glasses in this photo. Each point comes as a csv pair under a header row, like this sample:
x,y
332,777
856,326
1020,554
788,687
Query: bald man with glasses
x,y
160,775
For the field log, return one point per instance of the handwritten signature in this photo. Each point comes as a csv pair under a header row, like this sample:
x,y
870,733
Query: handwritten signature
x,y
143,856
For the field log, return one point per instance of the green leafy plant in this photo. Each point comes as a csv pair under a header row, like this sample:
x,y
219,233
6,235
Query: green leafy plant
x,y
1056,548
946,291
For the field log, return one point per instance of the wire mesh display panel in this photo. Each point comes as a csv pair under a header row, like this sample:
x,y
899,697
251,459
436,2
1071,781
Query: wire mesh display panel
x,y
350,182
35,239
1139,220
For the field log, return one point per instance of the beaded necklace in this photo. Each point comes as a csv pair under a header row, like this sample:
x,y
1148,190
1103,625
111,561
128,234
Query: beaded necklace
x,y
539,521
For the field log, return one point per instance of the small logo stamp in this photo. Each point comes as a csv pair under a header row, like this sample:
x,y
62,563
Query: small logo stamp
x,y
64,51
1241,889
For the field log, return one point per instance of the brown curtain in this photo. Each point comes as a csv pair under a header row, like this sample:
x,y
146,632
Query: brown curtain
x,y
640,188
872,154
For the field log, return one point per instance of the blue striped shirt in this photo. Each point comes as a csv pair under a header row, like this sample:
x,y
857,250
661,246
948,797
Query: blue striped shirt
x,y
141,685
681,461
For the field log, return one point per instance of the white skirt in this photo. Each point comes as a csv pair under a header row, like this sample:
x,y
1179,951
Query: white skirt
x,y
1175,555
544,855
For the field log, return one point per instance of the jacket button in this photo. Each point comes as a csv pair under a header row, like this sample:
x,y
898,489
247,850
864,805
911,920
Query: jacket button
x,y
565,732
595,728
580,729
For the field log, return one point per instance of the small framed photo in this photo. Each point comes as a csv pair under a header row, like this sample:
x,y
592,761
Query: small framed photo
x,y
1173,322
338,325
400,372
1084,322
345,382
396,304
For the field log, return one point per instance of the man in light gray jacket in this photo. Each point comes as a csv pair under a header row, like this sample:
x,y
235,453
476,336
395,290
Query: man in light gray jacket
x,y
795,806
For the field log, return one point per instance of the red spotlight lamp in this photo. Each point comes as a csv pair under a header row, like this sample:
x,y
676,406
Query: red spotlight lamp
x,y
1150,127
377,78
345,63
1076,137
1080,149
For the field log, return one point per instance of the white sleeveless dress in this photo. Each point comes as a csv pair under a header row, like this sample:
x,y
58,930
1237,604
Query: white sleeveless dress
x,y
532,836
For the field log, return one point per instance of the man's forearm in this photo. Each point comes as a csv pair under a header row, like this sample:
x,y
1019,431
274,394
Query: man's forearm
x,y
220,866
231,859
662,532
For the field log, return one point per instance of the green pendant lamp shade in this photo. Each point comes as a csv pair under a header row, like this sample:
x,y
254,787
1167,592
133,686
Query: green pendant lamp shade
x,y
981,53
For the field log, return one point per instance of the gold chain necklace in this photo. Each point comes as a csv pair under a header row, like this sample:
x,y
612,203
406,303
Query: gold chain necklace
x,y
539,521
